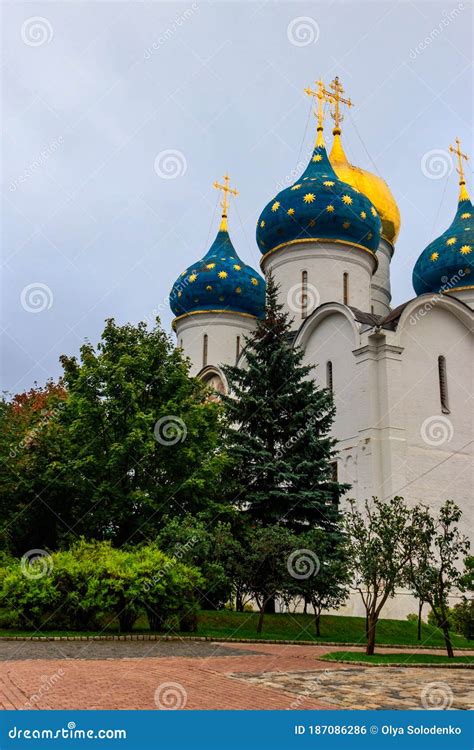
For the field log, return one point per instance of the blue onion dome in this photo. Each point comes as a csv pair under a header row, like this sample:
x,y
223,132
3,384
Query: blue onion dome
x,y
319,206
448,262
220,282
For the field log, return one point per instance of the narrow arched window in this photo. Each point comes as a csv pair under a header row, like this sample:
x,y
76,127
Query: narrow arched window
x,y
304,294
237,349
443,385
181,343
204,350
329,383
345,286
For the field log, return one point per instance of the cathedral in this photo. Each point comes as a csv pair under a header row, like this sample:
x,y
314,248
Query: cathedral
x,y
402,379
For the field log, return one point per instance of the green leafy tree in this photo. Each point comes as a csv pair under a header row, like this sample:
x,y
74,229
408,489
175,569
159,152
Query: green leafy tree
x,y
278,435
381,542
320,571
435,569
264,566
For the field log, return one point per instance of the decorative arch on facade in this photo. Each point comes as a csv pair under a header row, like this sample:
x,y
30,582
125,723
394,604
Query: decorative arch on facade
x,y
213,377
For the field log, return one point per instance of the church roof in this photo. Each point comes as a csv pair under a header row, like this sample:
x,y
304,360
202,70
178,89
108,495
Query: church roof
x,y
448,262
319,206
220,281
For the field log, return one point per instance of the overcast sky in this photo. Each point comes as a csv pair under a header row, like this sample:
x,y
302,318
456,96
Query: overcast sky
x,y
97,222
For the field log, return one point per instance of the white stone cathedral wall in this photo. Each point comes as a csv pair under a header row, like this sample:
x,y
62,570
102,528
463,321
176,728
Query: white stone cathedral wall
x,y
380,286
222,330
325,264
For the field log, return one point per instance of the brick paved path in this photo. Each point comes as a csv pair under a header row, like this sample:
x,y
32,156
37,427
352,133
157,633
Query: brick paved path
x,y
200,675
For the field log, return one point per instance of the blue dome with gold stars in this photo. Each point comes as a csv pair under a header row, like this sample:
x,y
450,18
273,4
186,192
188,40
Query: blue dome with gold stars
x,y
448,261
220,282
319,207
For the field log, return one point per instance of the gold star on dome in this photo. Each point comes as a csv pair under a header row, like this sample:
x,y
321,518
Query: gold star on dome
x,y
276,206
328,183
296,187
210,266
369,236
347,200
193,277
290,211
238,290
363,215
222,274
184,273
262,223
467,215
254,281
373,211
317,157
312,223
330,209
434,256
466,249
451,241
180,294
309,198
209,288
346,224
237,267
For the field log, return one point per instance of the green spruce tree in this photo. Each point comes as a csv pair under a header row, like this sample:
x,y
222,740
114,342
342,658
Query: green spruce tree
x,y
278,434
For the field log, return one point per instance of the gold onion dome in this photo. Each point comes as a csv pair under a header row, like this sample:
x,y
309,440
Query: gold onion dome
x,y
371,185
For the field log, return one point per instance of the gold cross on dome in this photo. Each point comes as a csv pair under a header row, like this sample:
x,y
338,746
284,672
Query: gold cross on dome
x,y
322,95
461,156
226,190
336,100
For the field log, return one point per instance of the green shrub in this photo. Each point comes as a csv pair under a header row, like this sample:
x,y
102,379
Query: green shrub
x,y
82,585
462,616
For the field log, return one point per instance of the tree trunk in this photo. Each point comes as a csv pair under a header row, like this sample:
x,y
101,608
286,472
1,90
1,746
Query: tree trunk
x,y
420,607
447,641
260,619
305,608
239,604
317,622
372,624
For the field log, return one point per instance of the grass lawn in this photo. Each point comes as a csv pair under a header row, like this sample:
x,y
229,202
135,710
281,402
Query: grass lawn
x,y
408,658
295,627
